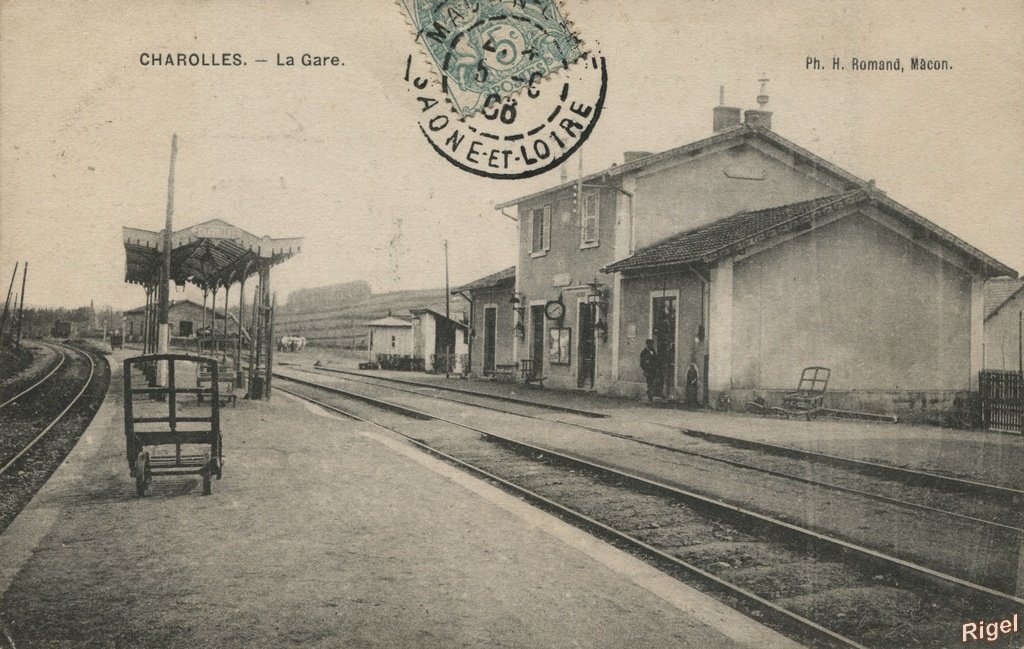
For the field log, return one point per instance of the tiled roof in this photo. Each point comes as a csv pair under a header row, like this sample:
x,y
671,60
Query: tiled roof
x,y
717,239
489,280
744,131
990,266
998,292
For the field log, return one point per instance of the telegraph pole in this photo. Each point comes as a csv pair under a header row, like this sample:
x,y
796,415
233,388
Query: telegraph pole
x,y
448,361
7,302
21,309
163,335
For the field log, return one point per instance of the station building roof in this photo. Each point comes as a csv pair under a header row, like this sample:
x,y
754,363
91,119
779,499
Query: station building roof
x,y
506,276
724,237
229,253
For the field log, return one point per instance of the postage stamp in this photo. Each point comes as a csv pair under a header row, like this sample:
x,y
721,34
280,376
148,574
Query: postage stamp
x,y
515,136
492,48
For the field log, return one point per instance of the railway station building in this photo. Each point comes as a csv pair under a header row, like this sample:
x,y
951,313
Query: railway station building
x,y
746,258
1004,324
185,318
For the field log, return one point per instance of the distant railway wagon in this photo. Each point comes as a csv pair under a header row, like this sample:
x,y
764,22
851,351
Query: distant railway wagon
x,y
61,329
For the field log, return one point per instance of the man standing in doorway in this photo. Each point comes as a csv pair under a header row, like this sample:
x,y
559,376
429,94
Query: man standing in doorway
x,y
649,366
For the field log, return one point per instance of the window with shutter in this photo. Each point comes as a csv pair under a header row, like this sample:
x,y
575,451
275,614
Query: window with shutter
x,y
590,220
547,227
537,230
540,231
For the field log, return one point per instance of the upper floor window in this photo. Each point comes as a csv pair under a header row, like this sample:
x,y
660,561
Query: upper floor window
x,y
590,220
540,230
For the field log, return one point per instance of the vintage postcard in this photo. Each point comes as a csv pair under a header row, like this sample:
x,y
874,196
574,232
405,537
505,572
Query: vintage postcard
x,y
523,323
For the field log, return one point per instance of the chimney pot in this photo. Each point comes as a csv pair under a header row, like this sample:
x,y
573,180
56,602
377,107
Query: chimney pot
x,y
725,118
761,118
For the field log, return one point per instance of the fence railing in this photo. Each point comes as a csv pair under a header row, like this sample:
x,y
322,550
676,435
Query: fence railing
x,y
1002,400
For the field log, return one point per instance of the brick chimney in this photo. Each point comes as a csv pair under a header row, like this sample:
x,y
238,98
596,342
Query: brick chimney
x,y
762,116
630,156
725,117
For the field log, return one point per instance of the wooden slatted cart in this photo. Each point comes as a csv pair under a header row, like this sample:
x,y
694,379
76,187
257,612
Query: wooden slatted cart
x,y
190,427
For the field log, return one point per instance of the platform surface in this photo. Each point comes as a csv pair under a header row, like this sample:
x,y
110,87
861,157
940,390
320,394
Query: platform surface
x,y
324,533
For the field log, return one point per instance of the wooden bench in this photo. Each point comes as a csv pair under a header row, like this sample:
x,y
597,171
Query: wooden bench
x,y
503,373
225,384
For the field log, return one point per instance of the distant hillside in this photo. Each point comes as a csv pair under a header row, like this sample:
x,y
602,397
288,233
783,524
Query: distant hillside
x,y
329,318
321,297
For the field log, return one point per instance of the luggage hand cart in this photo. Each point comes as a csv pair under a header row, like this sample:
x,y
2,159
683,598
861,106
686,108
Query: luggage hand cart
x,y
195,426
809,396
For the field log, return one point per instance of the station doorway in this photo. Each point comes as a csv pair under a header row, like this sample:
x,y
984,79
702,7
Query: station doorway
x,y
663,331
537,319
587,348
490,321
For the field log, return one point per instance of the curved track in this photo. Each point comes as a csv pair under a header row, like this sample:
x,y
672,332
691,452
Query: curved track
x,y
49,422
958,596
63,357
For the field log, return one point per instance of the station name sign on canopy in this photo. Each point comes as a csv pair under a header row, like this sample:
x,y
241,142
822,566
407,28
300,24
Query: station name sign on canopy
x,y
213,253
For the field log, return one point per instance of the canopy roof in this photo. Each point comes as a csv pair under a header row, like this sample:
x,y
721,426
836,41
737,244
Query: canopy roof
x,y
214,253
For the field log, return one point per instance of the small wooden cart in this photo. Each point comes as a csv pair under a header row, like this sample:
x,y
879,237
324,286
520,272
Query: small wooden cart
x,y
195,427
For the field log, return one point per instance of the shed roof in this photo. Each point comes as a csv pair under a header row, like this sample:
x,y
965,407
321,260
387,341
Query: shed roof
x,y
439,316
726,236
233,252
507,275
391,321
999,292
173,304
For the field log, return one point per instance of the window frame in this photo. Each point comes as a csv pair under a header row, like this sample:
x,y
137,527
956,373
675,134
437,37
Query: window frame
x,y
545,234
595,220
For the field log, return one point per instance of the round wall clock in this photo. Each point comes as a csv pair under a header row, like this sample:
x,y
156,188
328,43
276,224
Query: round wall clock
x,y
554,310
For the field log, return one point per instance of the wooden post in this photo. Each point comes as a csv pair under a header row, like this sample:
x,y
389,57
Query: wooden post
x,y
241,317
270,345
224,353
164,334
21,309
10,287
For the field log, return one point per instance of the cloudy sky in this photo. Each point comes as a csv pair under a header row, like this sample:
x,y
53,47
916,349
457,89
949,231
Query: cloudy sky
x,y
335,155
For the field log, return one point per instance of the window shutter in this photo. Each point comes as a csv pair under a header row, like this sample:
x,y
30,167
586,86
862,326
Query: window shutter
x,y
547,227
529,233
589,224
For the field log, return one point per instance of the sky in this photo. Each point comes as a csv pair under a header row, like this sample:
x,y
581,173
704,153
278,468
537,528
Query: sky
x,y
335,155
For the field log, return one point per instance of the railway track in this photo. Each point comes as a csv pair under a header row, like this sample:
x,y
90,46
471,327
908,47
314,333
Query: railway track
x,y
62,357
821,590
970,501
42,423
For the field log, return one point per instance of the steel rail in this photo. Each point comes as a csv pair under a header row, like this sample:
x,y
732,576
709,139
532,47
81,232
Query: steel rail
x,y
496,397
910,475
63,357
907,475
748,596
675,449
85,386
837,545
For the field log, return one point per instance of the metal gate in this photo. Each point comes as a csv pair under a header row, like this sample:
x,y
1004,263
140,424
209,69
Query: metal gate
x,y
1002,400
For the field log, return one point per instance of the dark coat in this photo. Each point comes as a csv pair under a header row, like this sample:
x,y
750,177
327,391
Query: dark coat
x,y
648,361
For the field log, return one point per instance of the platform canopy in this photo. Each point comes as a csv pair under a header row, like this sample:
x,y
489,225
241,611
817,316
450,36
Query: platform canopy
x,y
210,254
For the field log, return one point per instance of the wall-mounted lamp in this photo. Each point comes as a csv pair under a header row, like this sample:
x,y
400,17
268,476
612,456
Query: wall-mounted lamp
x,y
518,303
595,297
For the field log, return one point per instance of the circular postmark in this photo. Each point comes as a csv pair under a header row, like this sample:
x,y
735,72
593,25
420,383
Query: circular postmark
x,y
517,135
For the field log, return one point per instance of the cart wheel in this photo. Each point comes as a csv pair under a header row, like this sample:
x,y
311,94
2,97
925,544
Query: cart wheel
x,y
206,473
141,473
